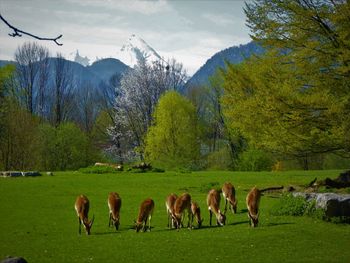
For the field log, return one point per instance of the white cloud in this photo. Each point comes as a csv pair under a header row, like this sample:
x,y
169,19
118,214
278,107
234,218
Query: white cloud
x,y
219,20
136,6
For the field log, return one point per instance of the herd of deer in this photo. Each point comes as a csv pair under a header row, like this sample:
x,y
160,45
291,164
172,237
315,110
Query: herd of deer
x,y
176,207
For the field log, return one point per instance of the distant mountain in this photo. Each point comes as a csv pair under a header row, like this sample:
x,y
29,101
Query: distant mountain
x,y
85,61
233,55
99,72
105,68
136,49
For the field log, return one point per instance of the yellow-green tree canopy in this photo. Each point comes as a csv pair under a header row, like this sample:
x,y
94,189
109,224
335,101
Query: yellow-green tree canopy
x,y
172,140
296,98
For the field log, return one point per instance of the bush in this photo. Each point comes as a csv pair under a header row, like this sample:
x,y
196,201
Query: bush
x,y
219,160
65,147
289,205
254,160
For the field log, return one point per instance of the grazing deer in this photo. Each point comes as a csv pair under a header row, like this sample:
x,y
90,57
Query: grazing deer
x,y
196,212
145,213
114,204
169,203
182,204
82,208
213,202
253,201
228,192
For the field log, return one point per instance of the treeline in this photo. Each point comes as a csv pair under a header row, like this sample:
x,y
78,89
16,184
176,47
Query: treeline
x,y
47,115
294,101
288,108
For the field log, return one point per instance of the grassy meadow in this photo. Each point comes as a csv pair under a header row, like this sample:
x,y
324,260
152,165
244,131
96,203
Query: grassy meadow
x,y
38,221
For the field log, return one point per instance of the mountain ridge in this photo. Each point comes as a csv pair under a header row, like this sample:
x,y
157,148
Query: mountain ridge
x,y
234,55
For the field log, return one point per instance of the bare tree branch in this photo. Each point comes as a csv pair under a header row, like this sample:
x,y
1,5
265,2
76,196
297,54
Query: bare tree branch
x,y
18,33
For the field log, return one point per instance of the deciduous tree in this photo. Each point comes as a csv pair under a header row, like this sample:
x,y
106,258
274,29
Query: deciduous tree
x,y
172,140
296,98
136,99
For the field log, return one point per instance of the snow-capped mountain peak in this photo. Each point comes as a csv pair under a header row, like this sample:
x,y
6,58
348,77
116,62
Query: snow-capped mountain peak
x,y
136,49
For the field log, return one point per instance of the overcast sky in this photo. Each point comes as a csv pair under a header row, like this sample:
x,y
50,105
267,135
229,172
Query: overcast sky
x,y
189,31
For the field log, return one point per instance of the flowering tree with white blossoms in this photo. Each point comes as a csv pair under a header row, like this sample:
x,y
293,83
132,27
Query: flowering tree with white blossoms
x,y
135,102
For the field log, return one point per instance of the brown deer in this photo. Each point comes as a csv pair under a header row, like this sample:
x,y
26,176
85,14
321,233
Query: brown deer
x,y
169,203
145,213
253,201
114,204
196,212
82,207
213,202
182,204
229,194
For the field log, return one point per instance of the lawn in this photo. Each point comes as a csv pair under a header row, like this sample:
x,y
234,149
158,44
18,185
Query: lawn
x,y
38,221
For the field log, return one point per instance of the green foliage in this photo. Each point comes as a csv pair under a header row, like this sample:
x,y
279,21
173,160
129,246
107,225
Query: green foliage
x,y
98,170
254,160
289,205
65,147
19,139
219,160
172,141
333,161
294,100
99,133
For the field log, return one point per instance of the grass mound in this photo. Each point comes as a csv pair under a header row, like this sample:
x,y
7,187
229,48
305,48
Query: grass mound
x,y
98,170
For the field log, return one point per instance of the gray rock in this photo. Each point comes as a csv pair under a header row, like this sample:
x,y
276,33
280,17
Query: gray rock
x,y
333,204
14,260
31,173
13,173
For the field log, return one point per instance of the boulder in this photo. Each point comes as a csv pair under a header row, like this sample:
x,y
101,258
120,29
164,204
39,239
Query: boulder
x,y
14,173
14,260
31,173
332,204
344,177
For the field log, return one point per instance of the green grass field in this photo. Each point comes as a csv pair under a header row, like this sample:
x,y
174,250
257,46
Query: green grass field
x,y
38,221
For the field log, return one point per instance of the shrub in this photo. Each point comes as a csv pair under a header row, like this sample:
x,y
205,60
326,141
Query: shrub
x,y
289,205
254,160
220,160
65,147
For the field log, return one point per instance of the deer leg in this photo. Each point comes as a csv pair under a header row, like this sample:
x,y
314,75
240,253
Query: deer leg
x,y
109,222
232,210
189,219
168,224
250,219
225,206
192,218
79,225
210,216
149,222
144,225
